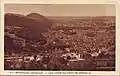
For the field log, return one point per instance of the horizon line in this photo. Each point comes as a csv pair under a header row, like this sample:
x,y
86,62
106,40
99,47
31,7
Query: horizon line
x,y
66,15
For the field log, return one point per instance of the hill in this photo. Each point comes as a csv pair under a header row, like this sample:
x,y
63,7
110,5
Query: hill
x,y
38,17
20,28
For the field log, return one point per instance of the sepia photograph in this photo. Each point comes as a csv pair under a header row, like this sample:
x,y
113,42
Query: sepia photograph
x,y
60,37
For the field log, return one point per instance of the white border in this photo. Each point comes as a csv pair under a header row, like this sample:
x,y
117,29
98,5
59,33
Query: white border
x,y
110,73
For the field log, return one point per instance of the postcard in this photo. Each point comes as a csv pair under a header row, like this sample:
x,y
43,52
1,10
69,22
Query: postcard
x,y
60,37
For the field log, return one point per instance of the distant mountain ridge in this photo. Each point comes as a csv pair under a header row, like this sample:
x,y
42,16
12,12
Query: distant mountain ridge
x,y
81,17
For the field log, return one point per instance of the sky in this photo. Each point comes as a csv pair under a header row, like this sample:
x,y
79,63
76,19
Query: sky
x,y
62,9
